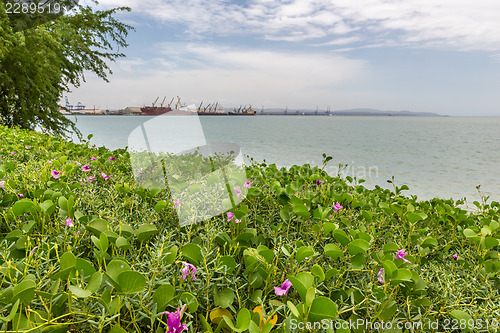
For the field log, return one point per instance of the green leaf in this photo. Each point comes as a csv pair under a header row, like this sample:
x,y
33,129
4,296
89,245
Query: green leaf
x,y
163,295
242,321
461,316
190,300
227,264
341,236
390,247
12,312
97,226
368,216
310,295
318,272
22,206
429,242
224,297
303,252
24,291
293,309
67,265
94,282
192,252
122,243
285,213
79,292
145,232
358,246
160,205
117,329
333,251
322,308
401,275
302,211
302,282
414,217
114,268
131,282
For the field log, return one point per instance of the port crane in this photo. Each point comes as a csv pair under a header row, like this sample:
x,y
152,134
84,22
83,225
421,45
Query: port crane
x,y
154,103
161,105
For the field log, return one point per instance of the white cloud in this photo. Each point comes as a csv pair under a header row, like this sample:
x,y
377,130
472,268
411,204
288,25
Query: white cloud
x,y
462,24
230,76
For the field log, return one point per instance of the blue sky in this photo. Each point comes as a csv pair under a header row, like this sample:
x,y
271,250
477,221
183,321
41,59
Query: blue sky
x,y
426,55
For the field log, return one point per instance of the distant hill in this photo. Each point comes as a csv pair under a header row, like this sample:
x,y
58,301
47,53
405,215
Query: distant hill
x,y
348,112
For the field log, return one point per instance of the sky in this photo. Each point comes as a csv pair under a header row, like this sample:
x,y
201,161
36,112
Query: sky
x,y
417,55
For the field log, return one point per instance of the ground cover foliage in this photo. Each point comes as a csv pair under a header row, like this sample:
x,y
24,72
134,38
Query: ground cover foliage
x,y
84,249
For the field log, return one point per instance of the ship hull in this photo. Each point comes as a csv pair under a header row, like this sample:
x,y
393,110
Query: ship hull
x,y
154,110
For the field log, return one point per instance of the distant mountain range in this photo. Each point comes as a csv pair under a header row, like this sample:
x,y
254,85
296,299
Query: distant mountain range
x,y
348,112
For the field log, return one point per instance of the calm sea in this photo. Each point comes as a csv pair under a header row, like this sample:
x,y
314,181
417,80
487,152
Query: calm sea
x,y
436,157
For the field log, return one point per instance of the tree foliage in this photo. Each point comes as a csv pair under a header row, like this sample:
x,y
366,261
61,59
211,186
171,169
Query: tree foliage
x,y
38,63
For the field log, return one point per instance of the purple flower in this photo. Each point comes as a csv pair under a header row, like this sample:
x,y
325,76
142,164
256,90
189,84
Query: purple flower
x,y
455,256
401,255
69,222
20,195
176,204
55,174
174,321
187,270
380,276
319,182
106,177
247,184
112,158
337,207
85,168
13,152
283,289
33,250
28,147
230,216
237,221
93,158
238,191
2,184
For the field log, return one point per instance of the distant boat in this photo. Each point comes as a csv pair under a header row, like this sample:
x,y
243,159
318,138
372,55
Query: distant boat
x,y
155,110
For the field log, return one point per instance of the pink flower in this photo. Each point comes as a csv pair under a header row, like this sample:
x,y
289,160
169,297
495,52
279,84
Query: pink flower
x,y
247,184
112,158
2,184
55,174
69,222
93,158
283,289
337,207
106,177
187,270
380,276
174,321
238,191
20,195
237,221
78,163
28,147
13,152
90,179
85,168
319,182
230,216
455,256
176,203
401,255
